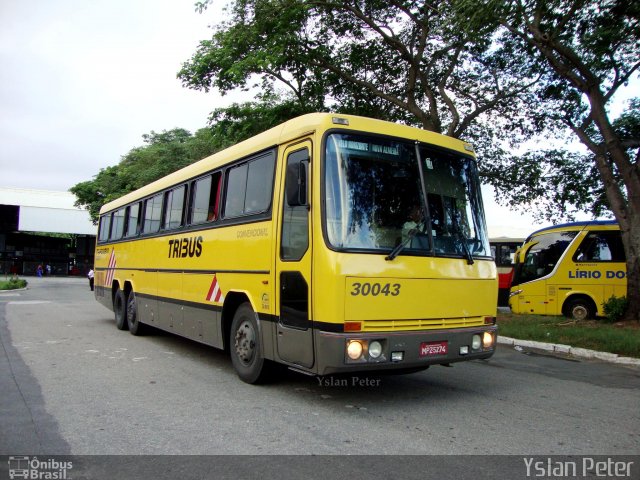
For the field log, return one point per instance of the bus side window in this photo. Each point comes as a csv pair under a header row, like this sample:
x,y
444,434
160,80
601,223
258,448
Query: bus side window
x,y
105,225
249,186
117,227
174,206
152,214
133,220
236,187
205,194
214,198
601,247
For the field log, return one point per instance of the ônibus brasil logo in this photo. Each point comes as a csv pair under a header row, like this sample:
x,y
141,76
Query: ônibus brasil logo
x,y
36,469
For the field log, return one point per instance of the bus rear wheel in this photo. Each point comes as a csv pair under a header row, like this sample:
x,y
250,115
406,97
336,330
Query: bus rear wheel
x,y
246,352
119,302
580,309
135,327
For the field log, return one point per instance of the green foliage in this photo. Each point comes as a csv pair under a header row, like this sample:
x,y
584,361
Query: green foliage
x,y
168,151
241,121
593,335
402,61
13,283
615,308
163,153
459,67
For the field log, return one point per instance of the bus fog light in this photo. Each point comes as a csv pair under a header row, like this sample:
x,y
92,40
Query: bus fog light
x,y
397,356
475,342
464,350
354,349
375,349
487,340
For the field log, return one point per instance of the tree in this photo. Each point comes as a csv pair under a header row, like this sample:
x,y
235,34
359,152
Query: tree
x,y
590,49
163,153
398,60
461,68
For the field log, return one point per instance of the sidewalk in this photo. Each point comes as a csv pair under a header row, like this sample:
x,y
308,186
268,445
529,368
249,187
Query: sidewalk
x,y
569,350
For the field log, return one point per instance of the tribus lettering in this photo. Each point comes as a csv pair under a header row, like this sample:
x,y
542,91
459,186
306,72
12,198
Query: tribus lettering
x,y
597,274
185,247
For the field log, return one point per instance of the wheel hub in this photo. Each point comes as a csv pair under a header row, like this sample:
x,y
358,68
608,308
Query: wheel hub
x,y
579,312
245,342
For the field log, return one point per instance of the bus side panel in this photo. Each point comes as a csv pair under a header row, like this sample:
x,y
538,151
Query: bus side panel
x,y
532,300
170,308
598,281
202,319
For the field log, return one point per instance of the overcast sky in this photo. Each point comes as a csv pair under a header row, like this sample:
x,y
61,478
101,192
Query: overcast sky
x,y
82,81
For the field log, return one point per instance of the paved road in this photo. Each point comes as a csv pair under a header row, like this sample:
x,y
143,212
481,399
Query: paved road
x,y
72,383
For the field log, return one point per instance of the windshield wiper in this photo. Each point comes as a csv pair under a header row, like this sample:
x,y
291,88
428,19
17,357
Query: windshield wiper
x,y
410,235
465,247
455,221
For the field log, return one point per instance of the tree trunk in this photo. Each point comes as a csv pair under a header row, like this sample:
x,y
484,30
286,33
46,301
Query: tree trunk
x,y
632,251
626,211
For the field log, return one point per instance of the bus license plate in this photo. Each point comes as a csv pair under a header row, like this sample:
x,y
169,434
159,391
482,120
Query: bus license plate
x,y
430,349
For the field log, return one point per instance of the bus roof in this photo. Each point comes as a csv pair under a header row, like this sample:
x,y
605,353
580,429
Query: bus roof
x,y
575,226
287,131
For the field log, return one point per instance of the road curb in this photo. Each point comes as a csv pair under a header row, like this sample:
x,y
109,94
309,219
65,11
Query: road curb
x,y
11,290
569,350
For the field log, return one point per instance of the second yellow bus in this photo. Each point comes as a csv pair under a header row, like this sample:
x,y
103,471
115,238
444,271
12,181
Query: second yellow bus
x,y
569,269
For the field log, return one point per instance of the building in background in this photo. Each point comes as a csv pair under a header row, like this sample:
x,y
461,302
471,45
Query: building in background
x,y
44,228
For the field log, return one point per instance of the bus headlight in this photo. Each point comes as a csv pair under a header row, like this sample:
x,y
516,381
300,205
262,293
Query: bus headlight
x,y
475,342
354,349
487,340
375,349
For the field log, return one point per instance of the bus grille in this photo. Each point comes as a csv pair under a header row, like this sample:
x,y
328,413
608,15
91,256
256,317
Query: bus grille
x,y
420,324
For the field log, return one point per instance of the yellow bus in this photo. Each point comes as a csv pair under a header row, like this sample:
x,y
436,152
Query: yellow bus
x,y
569,269
329,244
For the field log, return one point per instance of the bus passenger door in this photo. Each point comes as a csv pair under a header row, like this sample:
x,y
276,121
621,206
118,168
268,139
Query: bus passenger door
x,y
293,259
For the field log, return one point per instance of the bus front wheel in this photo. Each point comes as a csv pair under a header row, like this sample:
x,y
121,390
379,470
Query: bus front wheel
x,y
119,302
580,309
246,352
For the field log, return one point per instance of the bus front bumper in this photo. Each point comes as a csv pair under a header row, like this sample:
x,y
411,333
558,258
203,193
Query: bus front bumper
x,y
397,351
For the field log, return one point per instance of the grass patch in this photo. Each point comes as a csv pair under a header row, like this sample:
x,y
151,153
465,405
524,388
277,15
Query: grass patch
x,y
622,338
12,284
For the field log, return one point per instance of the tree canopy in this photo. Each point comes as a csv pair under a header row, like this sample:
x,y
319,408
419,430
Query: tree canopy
x,y
507,75
497,72
447,66
163,153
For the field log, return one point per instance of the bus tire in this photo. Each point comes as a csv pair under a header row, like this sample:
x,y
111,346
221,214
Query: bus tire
x,y
119,309
245,349
135,326
580,308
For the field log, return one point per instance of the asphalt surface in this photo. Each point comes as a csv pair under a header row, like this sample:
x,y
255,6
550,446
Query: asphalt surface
x,y
72,384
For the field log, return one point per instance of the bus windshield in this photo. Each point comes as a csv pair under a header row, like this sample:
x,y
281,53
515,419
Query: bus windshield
x,y
375,201
541,258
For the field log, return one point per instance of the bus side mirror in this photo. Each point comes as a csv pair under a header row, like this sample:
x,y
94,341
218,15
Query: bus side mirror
x,y
296,182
